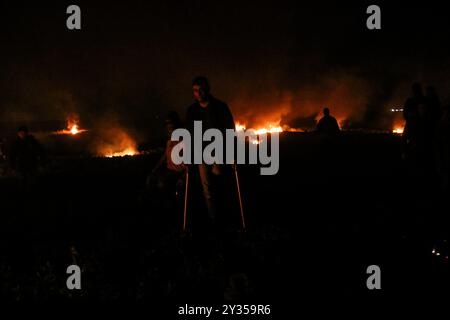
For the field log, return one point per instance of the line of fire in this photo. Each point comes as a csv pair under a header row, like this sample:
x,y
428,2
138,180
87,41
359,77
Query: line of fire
x,y
122,143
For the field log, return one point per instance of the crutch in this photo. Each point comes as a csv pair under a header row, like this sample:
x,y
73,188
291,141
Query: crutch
x,y
185,199
239,195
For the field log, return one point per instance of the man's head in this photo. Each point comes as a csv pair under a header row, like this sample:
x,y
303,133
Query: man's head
x,y
170,128
326,112
172,122
22,132
417,89
200,86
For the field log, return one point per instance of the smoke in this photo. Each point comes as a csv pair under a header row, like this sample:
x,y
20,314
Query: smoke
x,y
271,64
358,100
260,93
112,139
346,94
257,98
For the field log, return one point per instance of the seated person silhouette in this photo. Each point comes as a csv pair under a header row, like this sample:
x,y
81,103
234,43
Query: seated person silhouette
x,y
328,124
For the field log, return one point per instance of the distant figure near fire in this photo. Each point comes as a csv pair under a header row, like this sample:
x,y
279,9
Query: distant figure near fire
x,y
328,124
412,133
214,114
25,156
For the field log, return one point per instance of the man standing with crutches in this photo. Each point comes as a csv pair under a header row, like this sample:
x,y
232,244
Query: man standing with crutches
x,y
186,195
213,114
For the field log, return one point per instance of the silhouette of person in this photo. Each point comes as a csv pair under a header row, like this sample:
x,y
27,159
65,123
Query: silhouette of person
x,y
413,113
328,124
213,113
166,173
26,154
411,107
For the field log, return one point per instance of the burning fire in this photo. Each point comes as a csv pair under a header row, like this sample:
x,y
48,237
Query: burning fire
x,y
268,128
240,127
124,153
110,140
72,128
398,128
115,142
125,147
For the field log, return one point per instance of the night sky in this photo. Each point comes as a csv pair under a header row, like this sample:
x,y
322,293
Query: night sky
x,y
135,60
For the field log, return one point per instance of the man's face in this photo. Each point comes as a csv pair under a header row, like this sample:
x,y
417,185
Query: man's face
x,y
199,93
22,134
170,127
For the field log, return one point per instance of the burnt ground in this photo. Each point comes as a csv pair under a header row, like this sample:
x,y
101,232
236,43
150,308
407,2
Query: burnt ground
x,y
334,209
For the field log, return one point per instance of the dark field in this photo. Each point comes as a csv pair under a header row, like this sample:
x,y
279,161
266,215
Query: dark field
x,y
334,208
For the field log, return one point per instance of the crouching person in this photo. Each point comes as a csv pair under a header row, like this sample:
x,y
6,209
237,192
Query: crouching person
x,y
166,178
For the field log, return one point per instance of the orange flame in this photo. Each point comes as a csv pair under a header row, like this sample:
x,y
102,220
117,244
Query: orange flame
x,y
116,142
240,127
72,128
398,130
268,128
399,127
127,152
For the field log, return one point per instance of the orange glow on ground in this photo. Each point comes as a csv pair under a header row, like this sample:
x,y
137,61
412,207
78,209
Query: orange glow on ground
x,y
127,152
